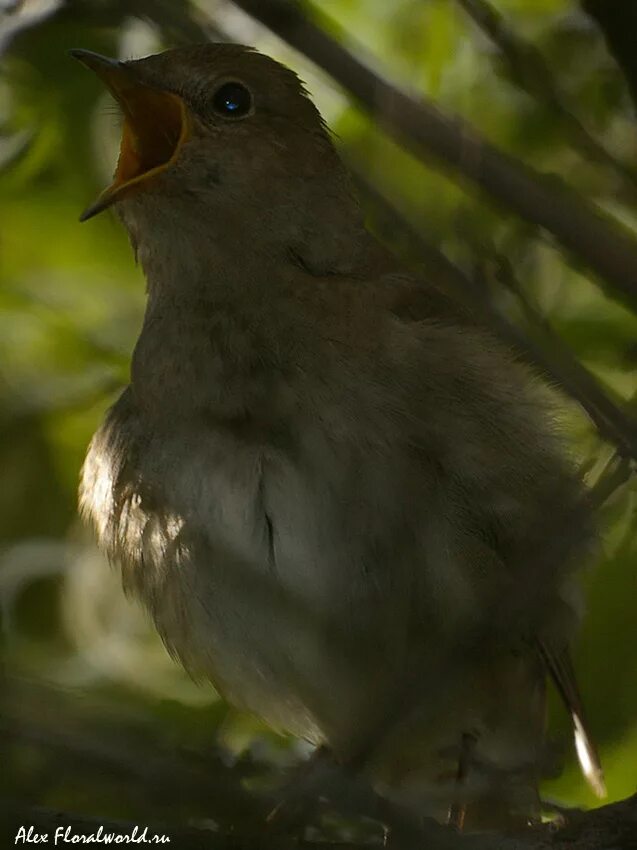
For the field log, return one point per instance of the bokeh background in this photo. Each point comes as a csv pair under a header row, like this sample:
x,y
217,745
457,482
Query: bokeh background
x,y
94,716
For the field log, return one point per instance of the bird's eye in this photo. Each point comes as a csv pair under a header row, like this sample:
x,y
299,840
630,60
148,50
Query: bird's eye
x,y
232,100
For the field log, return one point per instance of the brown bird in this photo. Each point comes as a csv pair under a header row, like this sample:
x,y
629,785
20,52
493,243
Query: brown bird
x,y
341,499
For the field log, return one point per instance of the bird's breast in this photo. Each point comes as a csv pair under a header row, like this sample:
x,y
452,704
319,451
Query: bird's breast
x,y
248,561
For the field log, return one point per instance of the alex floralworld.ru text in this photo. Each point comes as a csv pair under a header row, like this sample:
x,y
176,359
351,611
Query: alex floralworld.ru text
x,y
66,835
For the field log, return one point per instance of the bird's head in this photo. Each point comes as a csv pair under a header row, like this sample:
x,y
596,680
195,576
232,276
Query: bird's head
x,y
223,135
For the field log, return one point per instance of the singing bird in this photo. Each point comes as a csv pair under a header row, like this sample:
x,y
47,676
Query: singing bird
x,y
341,499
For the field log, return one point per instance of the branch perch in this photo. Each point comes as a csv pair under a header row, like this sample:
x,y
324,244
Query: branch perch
x,y
612,827
109,740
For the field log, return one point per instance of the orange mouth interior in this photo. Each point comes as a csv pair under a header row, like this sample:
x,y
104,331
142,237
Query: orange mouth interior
x,y
155,127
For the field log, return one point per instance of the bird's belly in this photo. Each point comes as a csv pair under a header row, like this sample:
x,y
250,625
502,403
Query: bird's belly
x,y
256,581
285,585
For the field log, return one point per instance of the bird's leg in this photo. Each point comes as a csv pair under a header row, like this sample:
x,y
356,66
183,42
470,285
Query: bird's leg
x,y
458,808
299,795
322,775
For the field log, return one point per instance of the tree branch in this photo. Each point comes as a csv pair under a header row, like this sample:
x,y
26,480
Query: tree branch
x,y
75,735
617,472
617,19
612,827
528,68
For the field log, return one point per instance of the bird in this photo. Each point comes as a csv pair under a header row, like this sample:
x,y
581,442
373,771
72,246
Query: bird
x,y
343,500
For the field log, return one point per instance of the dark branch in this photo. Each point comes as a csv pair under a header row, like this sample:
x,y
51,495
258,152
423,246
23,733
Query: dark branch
x,y
617,19
609,828
111,742
617,472
529,70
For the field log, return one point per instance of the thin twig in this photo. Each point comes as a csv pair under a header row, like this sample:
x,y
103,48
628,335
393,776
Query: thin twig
x,y
616,473
530,71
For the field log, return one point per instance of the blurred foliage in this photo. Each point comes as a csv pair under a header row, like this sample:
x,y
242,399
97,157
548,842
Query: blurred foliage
x,y
71,302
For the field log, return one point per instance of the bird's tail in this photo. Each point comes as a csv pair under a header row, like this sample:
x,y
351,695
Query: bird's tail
x,y
560,668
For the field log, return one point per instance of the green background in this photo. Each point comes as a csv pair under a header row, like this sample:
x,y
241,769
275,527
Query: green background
x,y
82,669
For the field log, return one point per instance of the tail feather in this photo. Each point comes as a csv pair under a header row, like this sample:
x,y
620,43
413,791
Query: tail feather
x,y
560,668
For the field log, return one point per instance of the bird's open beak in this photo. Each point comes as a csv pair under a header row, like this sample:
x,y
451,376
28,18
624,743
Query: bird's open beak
x,y
156,125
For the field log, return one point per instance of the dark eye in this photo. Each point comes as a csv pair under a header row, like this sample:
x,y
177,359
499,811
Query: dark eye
x,y
232,100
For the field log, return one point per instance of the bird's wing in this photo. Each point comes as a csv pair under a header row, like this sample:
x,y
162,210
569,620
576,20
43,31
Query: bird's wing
x,y
560,668
416,300
412,300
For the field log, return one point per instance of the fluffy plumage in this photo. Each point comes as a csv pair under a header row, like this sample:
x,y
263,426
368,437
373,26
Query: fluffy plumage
x,y
332,490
